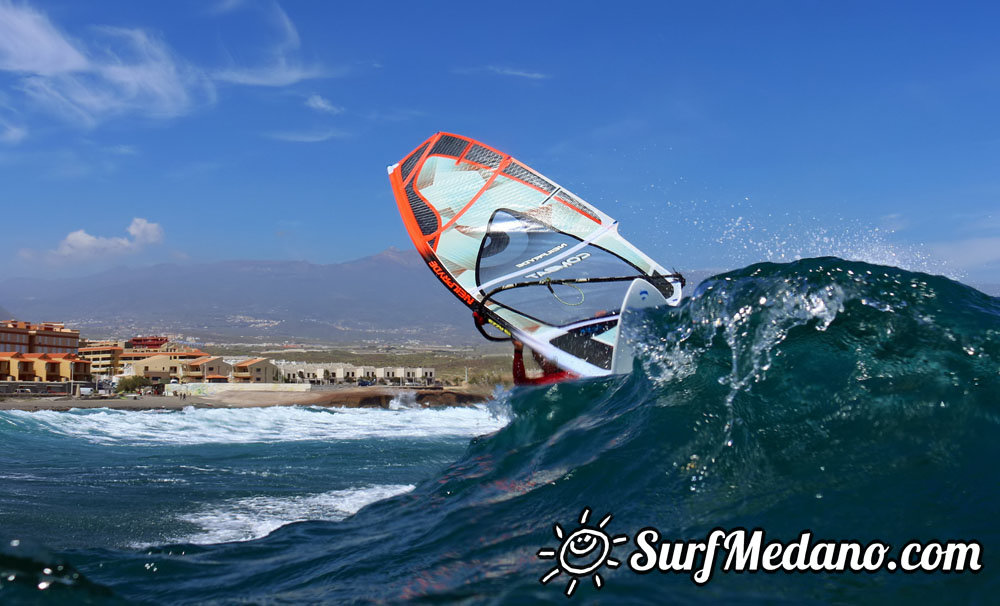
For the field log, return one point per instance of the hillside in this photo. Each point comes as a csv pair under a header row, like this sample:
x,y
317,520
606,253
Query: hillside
x,y
391,296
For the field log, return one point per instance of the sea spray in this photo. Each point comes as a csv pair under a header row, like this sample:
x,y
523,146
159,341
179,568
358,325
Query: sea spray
x,y
854,401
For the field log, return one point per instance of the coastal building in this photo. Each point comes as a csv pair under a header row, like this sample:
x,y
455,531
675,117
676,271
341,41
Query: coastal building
x,y
47,337
105,360
10,365
146,342
72,367
43,367
14,337
289,374
109,358
345,373
256,370
385,375
169,367
131,356
101,343
314,374
395,375
158,369
207,369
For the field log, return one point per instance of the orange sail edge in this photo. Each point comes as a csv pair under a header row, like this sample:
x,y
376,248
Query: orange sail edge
x,y
421,242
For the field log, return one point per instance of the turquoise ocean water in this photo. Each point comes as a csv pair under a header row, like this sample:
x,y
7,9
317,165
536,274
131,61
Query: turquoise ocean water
x,y
857,401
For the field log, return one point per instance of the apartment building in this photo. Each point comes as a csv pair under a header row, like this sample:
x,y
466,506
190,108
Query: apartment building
x,y
207,369
43,367
105,360
47,337
256,370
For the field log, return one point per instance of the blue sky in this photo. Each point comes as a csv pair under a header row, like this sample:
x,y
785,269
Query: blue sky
x,y
718,133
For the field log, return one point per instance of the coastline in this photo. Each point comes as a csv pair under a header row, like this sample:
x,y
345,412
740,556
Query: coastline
x,y
350,397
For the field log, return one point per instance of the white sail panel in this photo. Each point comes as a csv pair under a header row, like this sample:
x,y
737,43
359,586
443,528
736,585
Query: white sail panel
x,y
541,264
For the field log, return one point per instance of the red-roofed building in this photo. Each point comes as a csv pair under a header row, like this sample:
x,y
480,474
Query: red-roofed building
x,y
199,370
256,370
146,342
43,367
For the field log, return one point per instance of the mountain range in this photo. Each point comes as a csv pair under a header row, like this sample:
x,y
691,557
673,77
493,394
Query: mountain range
x,y
391,297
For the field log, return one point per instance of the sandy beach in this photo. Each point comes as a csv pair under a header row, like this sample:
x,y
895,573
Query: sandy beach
x,y
350,397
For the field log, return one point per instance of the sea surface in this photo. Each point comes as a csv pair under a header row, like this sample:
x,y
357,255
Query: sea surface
x,y
857,401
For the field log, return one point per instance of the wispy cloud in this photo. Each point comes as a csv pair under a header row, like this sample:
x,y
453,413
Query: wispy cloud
x,y
122,150
11,133
30,44
127,71
502,71
308,136
321,104
226,6
283,66
81,246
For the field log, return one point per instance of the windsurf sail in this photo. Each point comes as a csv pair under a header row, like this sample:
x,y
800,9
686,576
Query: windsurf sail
x,y
540,264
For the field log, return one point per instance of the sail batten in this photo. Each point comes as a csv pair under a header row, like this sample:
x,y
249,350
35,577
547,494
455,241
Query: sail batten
x,y
483,220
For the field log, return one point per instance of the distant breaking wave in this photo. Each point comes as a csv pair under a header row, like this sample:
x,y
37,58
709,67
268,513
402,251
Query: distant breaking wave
x,y
264,424
855,400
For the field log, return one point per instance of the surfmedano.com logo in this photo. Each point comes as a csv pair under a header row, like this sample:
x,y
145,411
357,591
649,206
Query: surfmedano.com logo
x,y
582,552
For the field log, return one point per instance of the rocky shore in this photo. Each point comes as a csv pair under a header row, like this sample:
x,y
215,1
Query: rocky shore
x,y
350,397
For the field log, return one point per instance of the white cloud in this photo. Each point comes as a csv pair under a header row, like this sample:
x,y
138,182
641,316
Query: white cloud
x,y
127,71
503,71
308,137
320,104
79,245
280,73
118,71
143,232
283,67
519,73
11,133
226,6
29,43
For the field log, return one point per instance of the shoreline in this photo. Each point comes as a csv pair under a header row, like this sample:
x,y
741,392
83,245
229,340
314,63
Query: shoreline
x,y
351,397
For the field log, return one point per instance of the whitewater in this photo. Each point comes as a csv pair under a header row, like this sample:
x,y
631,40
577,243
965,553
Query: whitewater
x,y
856,401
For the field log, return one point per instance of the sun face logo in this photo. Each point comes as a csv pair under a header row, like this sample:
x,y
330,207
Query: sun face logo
x,y
582,552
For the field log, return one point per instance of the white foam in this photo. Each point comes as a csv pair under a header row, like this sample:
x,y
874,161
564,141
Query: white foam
x,y
266,424
254,517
